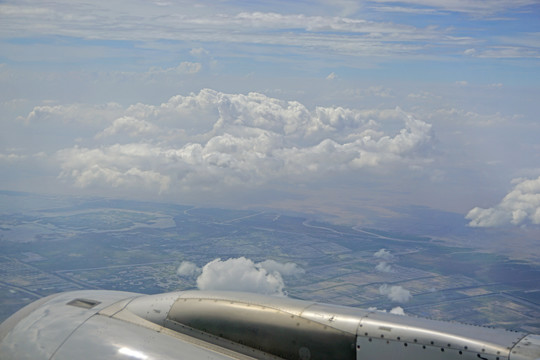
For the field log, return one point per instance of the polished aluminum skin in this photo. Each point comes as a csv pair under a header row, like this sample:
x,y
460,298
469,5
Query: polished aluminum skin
x,y
52,329
225,325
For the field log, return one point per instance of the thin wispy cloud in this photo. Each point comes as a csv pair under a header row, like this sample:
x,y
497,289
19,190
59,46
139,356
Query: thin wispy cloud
x,y
470,7
350,36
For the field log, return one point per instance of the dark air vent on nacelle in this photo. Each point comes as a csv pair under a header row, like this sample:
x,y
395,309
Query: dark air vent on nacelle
x,y
84,303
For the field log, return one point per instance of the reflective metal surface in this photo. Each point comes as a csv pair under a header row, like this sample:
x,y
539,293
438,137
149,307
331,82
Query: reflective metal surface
x,y
339,317
445,337
527,348
227,325
265,328
306,330
9,324
63,327
41,332
102,337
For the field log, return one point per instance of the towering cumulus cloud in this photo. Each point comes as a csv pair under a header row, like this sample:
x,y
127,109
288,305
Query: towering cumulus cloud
x,y
520,206
211,140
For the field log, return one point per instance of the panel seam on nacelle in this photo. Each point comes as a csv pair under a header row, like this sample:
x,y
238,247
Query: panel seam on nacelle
x,y
70,334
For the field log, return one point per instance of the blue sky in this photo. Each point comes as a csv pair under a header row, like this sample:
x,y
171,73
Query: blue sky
x,y
325,106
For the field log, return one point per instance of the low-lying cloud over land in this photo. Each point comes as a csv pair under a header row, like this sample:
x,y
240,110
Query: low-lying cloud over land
x,y
384,255
241,274
395,293
384,266
188,269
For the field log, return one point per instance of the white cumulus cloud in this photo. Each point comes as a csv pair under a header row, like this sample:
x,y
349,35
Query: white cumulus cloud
x,y
384,254
127,124
211,140
188,269
398,310
117,166
286,269
395,293
242,274
93,115
384,267
520,206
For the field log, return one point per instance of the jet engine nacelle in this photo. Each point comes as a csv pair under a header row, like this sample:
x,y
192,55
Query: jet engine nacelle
x,y
224,325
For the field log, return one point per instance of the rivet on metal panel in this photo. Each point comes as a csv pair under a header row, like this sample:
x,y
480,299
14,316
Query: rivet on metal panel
x,y
304,353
